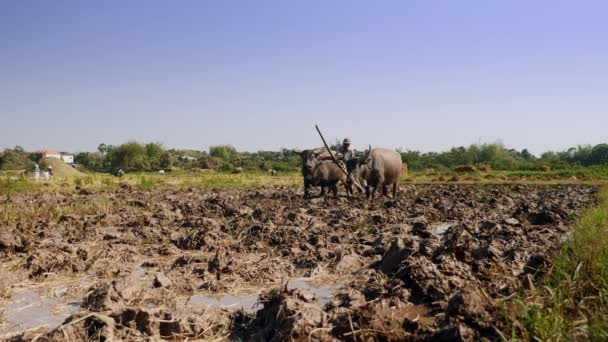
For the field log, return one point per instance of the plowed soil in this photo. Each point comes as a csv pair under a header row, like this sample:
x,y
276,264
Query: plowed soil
x,y
267,264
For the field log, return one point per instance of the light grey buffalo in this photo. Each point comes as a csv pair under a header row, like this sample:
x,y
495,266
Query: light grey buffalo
x,y
319,169
378,169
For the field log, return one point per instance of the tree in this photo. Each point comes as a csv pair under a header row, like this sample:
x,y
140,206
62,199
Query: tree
x,y
166,160
225,152
582,155
129,156
206,162
526,155
154,151
16,159
549,156
102,148
599,154
83,158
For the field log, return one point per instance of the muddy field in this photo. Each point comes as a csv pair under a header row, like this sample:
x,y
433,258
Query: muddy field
x,y
268,265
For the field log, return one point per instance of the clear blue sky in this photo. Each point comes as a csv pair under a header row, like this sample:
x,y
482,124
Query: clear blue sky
x,y
424,75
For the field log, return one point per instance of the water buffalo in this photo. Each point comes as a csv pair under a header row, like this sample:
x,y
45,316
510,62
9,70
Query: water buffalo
x,y
378,169
319,170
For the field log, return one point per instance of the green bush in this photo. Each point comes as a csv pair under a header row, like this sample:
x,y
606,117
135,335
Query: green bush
x,y
16,159
226,167
224,152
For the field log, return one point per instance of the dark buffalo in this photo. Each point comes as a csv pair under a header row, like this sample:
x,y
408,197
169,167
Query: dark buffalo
x,y
318,169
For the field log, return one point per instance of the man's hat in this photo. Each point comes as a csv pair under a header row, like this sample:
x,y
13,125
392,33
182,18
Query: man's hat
x,y
346,141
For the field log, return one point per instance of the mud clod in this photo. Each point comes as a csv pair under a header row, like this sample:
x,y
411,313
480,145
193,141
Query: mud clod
x,y
472,306
161,280
288,315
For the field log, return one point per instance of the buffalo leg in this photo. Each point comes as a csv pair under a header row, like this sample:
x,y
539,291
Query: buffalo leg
x,y
395,190
306,189
349,191
374,191
334,188
377,187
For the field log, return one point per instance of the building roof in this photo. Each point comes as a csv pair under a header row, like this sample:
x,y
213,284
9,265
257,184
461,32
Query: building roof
x,y
45,152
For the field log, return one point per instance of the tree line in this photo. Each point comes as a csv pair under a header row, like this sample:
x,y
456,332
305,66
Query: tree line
x,y
136,156
501,158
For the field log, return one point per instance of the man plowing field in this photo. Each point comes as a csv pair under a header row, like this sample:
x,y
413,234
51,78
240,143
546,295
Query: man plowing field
x,y
377,169
344,152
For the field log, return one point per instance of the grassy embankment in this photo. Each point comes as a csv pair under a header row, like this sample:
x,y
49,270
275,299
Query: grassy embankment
x,y
572,303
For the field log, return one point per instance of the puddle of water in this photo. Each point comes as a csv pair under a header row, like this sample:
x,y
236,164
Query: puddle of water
x,y
323,292
139,270
34,308
249,302
418,313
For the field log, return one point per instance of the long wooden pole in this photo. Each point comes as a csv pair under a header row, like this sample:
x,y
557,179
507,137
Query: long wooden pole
x,y
336,160
329,150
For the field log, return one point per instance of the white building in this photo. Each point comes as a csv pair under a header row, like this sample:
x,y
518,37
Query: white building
x,y
47,154
185,158
67,158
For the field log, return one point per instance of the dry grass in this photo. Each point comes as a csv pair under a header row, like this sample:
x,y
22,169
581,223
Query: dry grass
x,y
11,213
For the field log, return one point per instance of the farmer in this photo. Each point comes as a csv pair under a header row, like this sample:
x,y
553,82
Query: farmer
x,y
344,151
50,170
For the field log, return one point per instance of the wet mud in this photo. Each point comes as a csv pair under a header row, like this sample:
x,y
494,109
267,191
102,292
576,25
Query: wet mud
x,y
268,265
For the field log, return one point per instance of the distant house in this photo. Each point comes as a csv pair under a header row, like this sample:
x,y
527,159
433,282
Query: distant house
x,y
67,158
185,158
46,154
